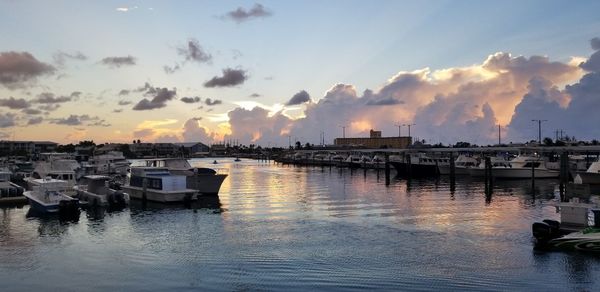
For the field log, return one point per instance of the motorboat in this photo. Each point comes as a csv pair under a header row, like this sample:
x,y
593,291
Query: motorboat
x,y
461,165
206,180
48,196
376,162
524,167
573,232
95,190
497,163
591,175
10,193
352,161
419,165
113,162
158,184
56,166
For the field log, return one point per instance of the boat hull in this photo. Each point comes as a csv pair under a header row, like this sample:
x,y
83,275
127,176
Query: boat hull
x,y
515,173
206,184
589,177
415,170
445,170
161,196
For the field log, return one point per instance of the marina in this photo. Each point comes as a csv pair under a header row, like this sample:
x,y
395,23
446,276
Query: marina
x,y
418,233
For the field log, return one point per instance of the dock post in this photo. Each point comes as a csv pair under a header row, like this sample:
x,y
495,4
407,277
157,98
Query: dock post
x,y
564,174
387,169
452,173
533,177
409,165
488,179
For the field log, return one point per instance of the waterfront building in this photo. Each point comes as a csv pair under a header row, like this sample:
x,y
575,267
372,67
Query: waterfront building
x,y
26,147
375,140
193,148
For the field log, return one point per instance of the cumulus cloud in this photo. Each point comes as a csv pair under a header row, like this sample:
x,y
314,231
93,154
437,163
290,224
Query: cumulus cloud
x,y
35,121
191,99
255,95
124,92
117,62
211,102
593,63
124,102
60,58
143,133
14,103
299,98
258,125
117,110
193,51
231,77
241,14
20,69
193,132
158,98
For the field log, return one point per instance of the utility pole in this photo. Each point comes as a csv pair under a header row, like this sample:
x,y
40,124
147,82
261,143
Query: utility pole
x,y
289,141
539,129
499,140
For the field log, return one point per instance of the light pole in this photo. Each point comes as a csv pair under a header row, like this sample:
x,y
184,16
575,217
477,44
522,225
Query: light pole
x,y
539,129
399,129
343,131
408,127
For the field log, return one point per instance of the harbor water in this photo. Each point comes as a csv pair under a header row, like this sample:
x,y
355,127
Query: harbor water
x,y
293,228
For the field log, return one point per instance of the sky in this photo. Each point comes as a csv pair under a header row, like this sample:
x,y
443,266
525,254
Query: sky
x,y
271,72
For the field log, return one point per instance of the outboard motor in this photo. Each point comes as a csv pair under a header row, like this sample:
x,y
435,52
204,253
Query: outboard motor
x,y
116,200
546,230
68,210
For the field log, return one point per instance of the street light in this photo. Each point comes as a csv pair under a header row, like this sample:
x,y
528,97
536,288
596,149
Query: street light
x,y
399,129
539,129
408,128
343,131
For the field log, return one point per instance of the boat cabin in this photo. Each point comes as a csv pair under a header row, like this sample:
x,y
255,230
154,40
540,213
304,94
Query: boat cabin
x,y
156,178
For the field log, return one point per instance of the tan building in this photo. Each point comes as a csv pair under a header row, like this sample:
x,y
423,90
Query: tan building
x,y
375,141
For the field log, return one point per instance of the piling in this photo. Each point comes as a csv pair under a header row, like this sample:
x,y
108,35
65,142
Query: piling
x,y
533,177
408,165
387,169
452,173
488,179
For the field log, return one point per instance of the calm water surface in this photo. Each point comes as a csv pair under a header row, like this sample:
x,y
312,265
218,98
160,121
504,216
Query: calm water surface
x,y
301,228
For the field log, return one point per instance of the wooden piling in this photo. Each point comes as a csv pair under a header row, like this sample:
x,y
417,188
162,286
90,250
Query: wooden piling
x,y
387,169
533,177
452,173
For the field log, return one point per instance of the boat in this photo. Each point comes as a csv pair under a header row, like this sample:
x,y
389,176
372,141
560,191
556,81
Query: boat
x,y
48,196
95,190
461,165
591,175
520,167
376,163
352,161
237,159
206,180
113,162
497,163
573,232
56,166
10,193
419,165
158,184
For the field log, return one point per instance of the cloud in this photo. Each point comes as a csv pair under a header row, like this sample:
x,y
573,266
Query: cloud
x,y
49,107
194,52
7,120
143,133
117,110
258,125
171,70
193,132
20,69
593,63
255,95
191,99
76,120
117,62
159,97
60,58
124,102
35,121
122,9
210,102
31,111
231,77
123,92
299,98
241,14
50,98
14,103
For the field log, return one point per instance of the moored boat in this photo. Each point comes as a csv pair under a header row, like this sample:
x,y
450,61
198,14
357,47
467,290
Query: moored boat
x,y
206,181
95,190
48,196
591,175
158,184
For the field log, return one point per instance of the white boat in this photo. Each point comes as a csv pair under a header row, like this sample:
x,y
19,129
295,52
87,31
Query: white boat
x,y
48,196
498,163
206,181
10,193
158,184
56,166
376,162
461,165
420,165
95,190
591,175
113,162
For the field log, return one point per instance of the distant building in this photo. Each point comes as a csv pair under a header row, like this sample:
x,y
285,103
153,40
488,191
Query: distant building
x,y
218,150
26,147
375,141
194,148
